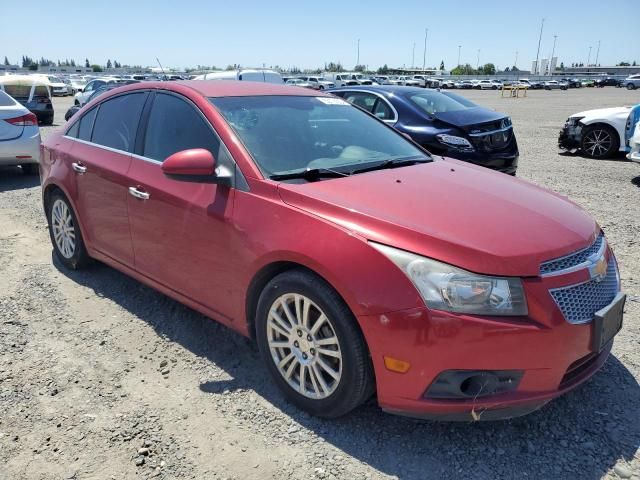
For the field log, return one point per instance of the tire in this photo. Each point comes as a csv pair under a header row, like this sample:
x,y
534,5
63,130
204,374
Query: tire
x,y
325,396
30,168
599,141
48,121
631,86
76,102
73,258
321,87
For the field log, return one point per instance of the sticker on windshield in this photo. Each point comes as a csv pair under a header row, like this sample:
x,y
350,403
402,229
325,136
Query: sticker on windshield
x,y
332,101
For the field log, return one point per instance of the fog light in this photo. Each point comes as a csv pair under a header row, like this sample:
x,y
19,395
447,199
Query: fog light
x,y
395,365
464,384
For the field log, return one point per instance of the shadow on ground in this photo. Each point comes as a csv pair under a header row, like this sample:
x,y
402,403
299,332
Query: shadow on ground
x,y
12,178
580,435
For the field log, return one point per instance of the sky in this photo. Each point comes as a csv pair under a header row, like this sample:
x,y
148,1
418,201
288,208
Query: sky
x,y
184,33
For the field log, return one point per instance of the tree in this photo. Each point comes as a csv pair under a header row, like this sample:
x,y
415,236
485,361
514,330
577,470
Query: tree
x,y
507,69
634,63
360,68
73,63
561,65
383,70
442,65
488,69
333,67
464,70
6,61
515,69
109,64
96,68
86,63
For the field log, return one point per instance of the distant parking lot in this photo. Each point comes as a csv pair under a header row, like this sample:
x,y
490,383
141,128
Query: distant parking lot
x,y
113,367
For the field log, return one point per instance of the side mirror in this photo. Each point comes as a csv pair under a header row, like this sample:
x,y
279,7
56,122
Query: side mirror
x,y
193,165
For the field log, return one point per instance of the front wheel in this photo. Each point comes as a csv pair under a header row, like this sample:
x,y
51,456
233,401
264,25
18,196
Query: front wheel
x,y
65,233
599,141
312,345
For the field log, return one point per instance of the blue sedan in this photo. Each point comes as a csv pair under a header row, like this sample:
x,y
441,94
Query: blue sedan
x,y
442,122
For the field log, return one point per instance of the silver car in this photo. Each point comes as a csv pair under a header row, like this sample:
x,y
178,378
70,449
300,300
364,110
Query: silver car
x,y
19,135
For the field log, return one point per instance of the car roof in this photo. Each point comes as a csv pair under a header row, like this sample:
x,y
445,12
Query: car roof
x,y
228,88
384,89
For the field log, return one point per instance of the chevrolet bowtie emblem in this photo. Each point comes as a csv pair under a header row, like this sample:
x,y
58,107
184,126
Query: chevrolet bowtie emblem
x,y
598,269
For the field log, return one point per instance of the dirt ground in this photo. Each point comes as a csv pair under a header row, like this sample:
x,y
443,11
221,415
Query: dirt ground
x,y
104,378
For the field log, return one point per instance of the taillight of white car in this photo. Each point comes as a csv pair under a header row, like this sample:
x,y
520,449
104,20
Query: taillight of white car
x,y
27,120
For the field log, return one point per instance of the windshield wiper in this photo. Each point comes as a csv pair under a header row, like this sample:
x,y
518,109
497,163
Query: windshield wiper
x,y
393,163
309,174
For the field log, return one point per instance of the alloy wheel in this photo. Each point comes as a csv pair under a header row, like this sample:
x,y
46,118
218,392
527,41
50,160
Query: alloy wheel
x,y
64,232
304,346
597,143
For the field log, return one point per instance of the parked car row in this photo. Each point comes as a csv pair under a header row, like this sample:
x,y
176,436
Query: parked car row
x,y
446,289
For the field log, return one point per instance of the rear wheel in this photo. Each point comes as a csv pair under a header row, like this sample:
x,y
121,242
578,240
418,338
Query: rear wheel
x,y
65,233
599,141
311,345
630,86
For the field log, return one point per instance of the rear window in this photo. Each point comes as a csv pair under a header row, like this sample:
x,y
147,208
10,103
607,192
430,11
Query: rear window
x,y
18,91
438,102
117,121
6,100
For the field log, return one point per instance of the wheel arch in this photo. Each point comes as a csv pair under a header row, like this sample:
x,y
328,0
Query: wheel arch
x,y
603,123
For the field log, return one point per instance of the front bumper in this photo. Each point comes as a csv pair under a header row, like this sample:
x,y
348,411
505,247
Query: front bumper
x,y
634,156
554,356
570,137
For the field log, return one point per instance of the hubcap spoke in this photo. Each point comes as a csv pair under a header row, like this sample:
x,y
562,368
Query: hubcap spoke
x,y
63,230
304,346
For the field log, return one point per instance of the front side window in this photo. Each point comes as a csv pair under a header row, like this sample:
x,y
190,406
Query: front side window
x,y
117,121
175,125
285,134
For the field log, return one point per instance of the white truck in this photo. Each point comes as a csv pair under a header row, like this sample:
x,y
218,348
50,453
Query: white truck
x,y
267,76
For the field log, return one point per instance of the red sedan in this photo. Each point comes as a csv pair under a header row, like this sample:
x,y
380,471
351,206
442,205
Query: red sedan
x,y
358,262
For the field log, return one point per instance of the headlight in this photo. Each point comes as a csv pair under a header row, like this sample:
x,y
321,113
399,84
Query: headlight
x,y
445,287
459,143
573,121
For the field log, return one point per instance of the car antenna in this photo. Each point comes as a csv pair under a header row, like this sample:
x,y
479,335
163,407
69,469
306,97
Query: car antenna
x,y
161,69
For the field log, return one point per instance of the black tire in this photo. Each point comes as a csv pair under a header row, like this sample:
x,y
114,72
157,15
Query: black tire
x,y
80,257
597,134
356,383
48,121
494,87
30,168
321,87
76,102
631,86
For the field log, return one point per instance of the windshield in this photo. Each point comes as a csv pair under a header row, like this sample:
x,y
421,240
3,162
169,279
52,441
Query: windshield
x,y
439,102
286,134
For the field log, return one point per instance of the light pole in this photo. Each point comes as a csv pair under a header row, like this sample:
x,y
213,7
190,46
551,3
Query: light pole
x,y
358,57
538,54
597,53
589,57
459,47
478,64
555,38
424,56
413,56
515,64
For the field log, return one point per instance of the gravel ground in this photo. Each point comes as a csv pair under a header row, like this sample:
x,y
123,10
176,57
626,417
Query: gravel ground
x,y
103,378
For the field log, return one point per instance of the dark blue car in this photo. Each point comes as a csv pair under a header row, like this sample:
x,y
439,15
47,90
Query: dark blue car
x,y
442,122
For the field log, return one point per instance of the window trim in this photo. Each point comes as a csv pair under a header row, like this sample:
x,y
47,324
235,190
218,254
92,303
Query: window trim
x,y
111,149
381,97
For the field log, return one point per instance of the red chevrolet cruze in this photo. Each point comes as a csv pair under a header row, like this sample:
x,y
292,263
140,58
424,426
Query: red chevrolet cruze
x,y
357,261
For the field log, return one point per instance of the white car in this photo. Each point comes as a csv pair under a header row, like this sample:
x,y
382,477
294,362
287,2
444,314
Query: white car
x,y
632,82
634,144
597,133
83,96
408,81
487,85
318,83
555,85
58,87
77,85
19,135
299,82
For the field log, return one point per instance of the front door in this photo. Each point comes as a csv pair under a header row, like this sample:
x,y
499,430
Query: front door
x,y
182,232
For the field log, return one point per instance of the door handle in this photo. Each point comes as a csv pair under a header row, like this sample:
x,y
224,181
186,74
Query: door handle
x,y
134,192
79,168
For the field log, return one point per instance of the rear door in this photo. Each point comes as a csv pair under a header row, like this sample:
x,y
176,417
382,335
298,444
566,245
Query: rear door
x,y
182,232
101,157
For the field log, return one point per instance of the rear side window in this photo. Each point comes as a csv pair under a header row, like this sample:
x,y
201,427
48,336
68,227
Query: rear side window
x,y
73,131
117,121
175,125
18,91
6,100
86,125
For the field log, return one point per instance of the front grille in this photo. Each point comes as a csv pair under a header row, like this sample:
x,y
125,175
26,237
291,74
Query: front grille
x,y
577,368
564,263
491,135
579,303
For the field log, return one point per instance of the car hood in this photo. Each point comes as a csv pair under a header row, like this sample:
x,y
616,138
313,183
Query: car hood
x,y
464,215
469,116
603,112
